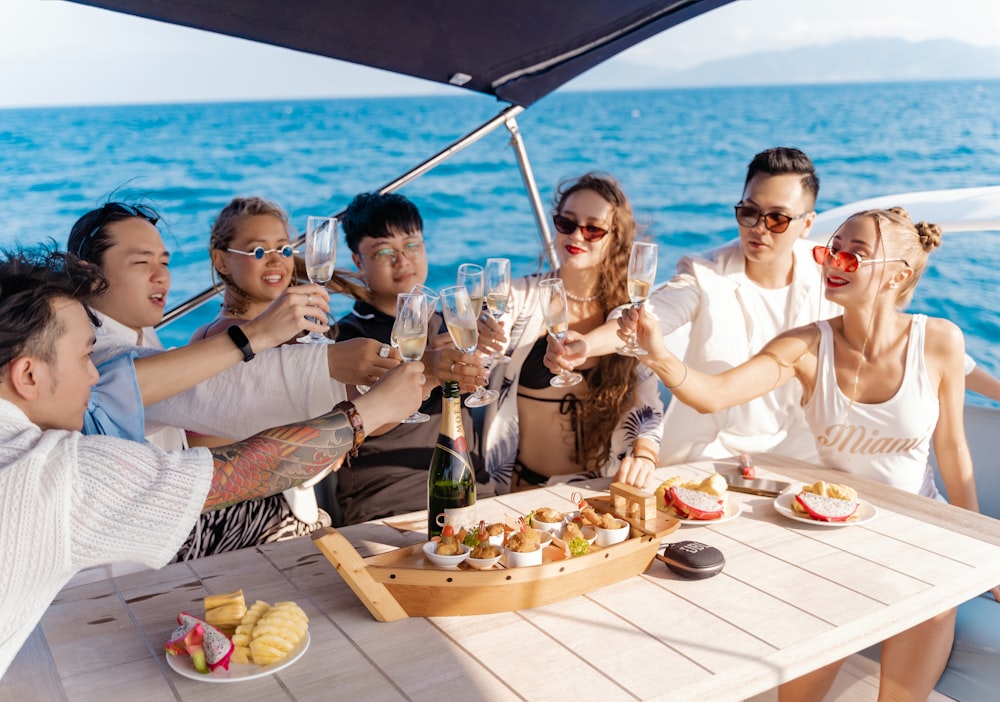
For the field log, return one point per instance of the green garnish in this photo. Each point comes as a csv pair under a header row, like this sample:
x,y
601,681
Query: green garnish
x,y
471,538
578,546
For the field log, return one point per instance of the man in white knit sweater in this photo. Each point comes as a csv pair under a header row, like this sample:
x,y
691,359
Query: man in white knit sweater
x,y
70,501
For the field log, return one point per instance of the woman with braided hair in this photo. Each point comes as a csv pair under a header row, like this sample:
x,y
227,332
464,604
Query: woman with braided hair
x,y
879,385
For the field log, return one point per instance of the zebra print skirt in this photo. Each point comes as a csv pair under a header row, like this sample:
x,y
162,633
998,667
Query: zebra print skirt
x,y
250,523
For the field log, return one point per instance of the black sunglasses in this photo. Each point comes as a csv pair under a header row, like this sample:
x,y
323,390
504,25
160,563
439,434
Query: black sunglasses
x,y
565,225
775,222
112,211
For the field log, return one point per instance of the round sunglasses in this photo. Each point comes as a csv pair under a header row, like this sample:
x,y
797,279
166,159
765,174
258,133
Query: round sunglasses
x,y
846,261
287,251
565,225
774,222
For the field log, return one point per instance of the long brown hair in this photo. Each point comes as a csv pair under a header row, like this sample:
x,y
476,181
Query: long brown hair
x,y
612,380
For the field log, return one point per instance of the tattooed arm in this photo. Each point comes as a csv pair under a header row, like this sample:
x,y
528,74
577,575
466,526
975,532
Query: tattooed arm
x,y
280,458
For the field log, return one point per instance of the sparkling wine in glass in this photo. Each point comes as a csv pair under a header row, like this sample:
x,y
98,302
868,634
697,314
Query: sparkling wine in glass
x,y
410,332
555,312
497,291
460,317
641,275
471,276
320,255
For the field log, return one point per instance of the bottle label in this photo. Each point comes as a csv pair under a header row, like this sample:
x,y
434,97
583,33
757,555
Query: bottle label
x,y
459,517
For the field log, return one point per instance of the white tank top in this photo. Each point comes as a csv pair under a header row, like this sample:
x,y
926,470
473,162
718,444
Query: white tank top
x,y
888,441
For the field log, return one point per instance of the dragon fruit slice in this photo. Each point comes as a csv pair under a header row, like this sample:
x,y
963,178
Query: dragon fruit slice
x,y
186,641
826,509
214,647
694,504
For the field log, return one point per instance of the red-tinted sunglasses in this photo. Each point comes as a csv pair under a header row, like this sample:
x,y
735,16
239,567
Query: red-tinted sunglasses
x,y
846,260
565,225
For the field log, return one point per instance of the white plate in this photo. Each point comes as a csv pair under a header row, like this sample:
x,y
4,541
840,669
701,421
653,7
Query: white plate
x,y
783,505
733,510
238,672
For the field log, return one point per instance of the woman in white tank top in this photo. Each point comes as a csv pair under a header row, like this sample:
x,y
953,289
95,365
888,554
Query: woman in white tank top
x,y
879,386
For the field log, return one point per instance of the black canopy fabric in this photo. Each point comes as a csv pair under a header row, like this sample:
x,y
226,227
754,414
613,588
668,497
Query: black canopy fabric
x,y
517,50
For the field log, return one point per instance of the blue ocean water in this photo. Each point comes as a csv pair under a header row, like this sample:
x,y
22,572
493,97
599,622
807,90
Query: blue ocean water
x,y
680,154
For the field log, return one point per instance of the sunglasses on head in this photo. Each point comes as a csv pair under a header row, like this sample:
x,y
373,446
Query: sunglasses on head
x,y
846,260
565,225
260,252
774,222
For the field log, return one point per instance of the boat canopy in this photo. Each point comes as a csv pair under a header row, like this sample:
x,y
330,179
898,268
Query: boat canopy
x,y
517,50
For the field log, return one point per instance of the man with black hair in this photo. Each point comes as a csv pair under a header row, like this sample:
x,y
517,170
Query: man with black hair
x,y
70,501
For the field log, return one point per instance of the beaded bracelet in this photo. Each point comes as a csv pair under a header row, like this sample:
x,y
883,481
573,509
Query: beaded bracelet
x,y
354,417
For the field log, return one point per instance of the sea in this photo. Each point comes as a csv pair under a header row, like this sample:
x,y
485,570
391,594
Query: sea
x,y
680,154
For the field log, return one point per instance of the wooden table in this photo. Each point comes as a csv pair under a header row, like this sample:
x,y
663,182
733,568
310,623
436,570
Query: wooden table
x,y
792,597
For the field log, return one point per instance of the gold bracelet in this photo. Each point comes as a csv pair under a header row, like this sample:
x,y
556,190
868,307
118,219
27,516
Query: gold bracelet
x,y
671,387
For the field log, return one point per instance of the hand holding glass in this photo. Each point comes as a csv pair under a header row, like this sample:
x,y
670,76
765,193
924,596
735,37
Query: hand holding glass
x,y
320,255
555,312
641,275
460,317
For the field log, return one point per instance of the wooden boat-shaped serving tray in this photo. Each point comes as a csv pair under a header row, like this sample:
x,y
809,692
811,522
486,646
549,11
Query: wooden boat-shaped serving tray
x,y
401,583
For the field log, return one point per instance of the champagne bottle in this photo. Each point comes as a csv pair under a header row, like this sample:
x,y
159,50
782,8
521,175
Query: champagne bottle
x,y
451,482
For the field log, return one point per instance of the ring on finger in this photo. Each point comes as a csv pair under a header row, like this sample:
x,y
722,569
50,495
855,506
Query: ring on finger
x,y
384,351
453,368
309,299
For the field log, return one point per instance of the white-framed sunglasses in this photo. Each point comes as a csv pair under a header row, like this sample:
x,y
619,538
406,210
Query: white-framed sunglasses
x,y
287,251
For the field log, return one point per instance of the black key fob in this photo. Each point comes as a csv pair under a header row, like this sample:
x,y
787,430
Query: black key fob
x,y
692,559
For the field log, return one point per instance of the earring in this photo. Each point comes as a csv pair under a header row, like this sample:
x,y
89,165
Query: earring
x,y
893,286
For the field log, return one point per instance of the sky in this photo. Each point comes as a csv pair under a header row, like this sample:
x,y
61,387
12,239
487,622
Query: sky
x,y
60,53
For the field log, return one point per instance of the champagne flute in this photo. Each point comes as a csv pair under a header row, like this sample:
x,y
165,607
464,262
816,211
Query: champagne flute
x,y
432,298
471,276
641,275
410,332
321,251
460,317
555,312
497,291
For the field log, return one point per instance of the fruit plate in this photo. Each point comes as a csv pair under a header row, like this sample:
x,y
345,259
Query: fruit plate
x,y
783,505
238,672
733,510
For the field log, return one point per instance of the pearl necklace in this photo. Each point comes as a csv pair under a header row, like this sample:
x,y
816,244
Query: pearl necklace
x,y
577,298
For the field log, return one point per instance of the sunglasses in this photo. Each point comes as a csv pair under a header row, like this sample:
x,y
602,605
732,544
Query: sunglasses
x,y
565,225
845,260
774,222
260,252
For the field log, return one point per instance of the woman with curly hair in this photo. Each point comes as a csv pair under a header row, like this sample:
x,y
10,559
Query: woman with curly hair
x,y
878,387
610,423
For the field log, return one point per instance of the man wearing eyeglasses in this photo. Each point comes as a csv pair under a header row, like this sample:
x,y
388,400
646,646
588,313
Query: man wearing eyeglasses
x,y
728,303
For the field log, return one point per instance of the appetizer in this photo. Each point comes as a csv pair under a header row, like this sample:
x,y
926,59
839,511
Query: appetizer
x,y
827,502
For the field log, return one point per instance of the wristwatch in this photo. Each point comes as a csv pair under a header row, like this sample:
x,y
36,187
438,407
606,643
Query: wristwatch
x,y
241,341
354,417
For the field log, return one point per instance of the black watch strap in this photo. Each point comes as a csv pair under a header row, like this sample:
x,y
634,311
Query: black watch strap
x,y
241,341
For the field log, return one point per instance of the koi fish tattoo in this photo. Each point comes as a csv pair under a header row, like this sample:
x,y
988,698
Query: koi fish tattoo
x,y
278,459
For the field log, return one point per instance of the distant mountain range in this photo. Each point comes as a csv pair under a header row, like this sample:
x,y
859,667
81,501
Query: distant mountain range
x,y
855,61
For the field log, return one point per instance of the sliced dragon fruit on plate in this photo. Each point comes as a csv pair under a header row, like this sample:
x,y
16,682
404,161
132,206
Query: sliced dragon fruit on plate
x,y
208,647
826,509
695,504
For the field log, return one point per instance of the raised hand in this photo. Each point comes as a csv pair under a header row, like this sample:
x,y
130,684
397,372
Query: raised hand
x,y
360,361
289,315
397,394
569,354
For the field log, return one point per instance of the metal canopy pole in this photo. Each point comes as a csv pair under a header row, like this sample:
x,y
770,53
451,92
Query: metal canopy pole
x,y
508,113
541,217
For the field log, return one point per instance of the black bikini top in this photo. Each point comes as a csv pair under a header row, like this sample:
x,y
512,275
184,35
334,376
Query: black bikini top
x,y
534,374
